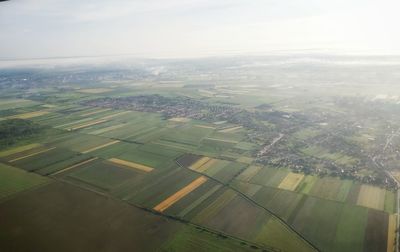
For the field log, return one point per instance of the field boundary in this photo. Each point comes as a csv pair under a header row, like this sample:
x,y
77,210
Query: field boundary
x,y
73,166
31,155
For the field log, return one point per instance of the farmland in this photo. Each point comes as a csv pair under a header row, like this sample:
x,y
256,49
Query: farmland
x,y
152,167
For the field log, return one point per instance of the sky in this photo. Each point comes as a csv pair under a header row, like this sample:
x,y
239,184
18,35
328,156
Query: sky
x,y
195,28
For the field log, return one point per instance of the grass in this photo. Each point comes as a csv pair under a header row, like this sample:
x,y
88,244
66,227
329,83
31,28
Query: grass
x,y
281,202
18,149
351,229
228,172
246,188
275,235
44,158
198,200
6,104
31,154
146,158
102,174
376,232
317,220
226,219
113,150
199,163
390,202
270,176
246,146
327,188
104,128
192,239
29,115
44,216
165,187
50,169
306,133
212,209
245,160
307,184
161,150
249,173
344,190
81,142
14,180
188,135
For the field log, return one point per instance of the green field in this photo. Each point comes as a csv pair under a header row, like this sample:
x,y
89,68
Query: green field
x,y
14,180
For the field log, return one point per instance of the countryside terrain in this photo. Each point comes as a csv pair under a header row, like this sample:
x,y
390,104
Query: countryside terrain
x,y
236,154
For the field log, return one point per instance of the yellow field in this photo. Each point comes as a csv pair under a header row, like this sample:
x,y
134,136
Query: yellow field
x,y
372,197
29,115
114,115
32,154
107,129
291,181
249,173
94,90
230,129
13,101
199,163
204,126
391,233
49,106
179,119
95,112
131,164
207,165
100,146
396,175
180,194
74,122
18,149
221,140
85,125
75,165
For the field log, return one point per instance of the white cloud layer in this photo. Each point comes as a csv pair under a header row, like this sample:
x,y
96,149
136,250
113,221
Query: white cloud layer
x,y
187,28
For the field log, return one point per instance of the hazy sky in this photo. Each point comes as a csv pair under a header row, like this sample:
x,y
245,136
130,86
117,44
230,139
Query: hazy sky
x,y
187,28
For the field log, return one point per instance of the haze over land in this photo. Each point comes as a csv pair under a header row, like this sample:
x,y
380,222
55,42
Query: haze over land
x,y
157,28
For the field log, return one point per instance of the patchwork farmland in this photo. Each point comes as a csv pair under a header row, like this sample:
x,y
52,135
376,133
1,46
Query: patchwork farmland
x,y
120,177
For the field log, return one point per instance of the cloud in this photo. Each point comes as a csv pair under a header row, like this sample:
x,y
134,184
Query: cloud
x,y
42,28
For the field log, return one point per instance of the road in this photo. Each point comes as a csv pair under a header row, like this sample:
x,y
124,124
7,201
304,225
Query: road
x,y
267,148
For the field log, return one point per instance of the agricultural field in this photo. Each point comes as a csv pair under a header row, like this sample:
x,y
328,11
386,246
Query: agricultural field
x,y
196,164
90,229
13,180
203,175
333,213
